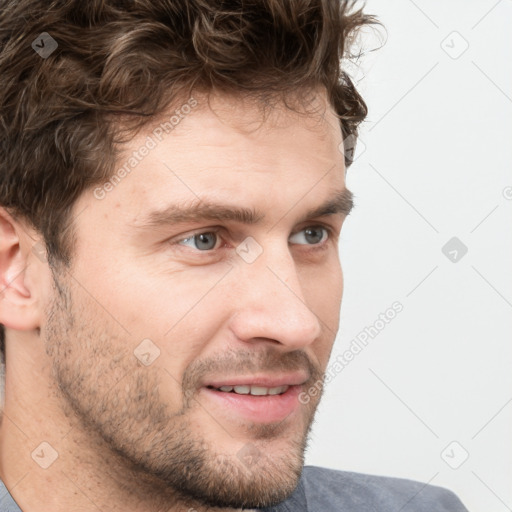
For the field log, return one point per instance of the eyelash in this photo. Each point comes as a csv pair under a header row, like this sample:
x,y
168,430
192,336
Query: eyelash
x,y
331,237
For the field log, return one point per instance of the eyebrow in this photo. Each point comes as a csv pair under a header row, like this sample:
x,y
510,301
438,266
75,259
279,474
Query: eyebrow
x,y
203,210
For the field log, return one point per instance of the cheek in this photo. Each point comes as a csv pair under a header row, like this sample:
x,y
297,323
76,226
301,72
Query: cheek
x,y
163,302
96,365
179,314
323,289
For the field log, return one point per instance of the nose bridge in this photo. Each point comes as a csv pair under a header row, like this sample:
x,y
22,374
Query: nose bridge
x,y
271,303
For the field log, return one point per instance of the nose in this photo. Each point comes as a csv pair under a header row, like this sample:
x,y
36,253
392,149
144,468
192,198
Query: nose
x,y
271,303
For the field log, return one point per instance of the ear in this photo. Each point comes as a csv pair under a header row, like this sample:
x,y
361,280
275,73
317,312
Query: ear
x,y
19,304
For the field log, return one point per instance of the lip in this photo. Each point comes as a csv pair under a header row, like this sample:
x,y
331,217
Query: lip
x,y
266,381
257,409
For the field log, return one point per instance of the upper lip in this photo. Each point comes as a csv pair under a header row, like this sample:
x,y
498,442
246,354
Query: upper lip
x,y
265,381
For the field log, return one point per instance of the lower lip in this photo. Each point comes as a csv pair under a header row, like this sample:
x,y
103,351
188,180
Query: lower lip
x,y
259,409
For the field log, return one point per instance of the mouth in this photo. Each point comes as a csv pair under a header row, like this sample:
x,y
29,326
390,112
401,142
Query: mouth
x,y
252,390
262,399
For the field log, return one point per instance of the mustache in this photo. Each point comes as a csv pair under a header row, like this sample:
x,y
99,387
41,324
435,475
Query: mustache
x,y
243,362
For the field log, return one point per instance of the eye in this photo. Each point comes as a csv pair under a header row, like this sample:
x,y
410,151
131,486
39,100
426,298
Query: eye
x,y
314,235
205,241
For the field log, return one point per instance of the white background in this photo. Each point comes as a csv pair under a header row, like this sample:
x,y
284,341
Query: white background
x,y
436,165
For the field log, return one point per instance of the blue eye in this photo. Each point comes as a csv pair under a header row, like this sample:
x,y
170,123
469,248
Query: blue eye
x,y
313,235
205,241
202,241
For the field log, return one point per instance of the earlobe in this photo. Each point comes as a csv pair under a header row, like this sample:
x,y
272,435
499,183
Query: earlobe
x,y
18,296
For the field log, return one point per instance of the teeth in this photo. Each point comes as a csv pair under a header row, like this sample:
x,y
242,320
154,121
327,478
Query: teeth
x,y
277,391
259,391
254,390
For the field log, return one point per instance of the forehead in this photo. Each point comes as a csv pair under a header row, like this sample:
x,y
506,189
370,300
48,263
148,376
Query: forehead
x,y
229,150
247,113
239,135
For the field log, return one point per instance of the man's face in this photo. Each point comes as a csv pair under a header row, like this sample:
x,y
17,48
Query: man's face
x,y
163,325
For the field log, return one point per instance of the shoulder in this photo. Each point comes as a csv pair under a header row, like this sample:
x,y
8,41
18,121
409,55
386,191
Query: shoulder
x,y
328,489
7,504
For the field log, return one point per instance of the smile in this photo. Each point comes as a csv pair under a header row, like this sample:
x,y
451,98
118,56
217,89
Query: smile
x,y
252,390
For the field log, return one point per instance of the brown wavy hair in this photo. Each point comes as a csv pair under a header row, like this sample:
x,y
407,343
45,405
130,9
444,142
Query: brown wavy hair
x,y
129,60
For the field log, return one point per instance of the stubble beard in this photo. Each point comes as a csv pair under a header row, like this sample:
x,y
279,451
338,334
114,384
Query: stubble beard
x,y
146,448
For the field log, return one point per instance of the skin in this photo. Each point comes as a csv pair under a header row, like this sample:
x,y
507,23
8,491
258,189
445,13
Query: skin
x,y
126,433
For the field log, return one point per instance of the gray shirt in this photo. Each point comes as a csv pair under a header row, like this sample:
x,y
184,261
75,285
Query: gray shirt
x,y
327,490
